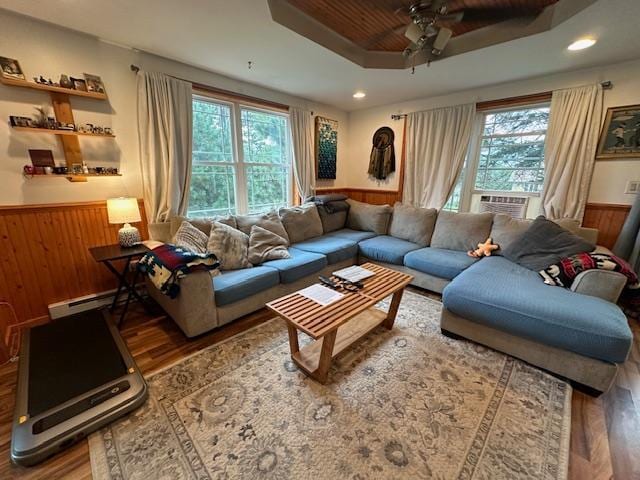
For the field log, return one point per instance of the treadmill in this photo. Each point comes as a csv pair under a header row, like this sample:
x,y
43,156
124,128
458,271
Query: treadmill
x,y
75,375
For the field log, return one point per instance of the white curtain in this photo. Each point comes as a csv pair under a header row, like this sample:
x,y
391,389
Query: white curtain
x,y
572,139
436,146
302,143
165,121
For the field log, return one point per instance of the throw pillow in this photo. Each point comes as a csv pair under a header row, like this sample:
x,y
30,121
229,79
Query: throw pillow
x,y
563,273
461,231
368,218
413,224
269,221
202,223
190,238
301,223
544,243
231,246
265,245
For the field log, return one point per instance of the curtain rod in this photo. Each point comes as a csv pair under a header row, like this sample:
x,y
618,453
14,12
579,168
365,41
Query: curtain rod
x,y
606,85
220,91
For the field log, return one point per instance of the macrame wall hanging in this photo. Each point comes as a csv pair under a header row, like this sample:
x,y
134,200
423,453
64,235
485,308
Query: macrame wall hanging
x,y
382,161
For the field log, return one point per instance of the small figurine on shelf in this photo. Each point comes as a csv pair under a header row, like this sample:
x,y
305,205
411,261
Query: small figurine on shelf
x,y
65,82
85,168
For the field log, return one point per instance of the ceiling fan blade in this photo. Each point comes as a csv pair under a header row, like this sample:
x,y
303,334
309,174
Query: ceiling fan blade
x,y
451,17
495,14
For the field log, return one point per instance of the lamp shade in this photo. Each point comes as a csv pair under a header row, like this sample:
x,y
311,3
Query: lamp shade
x,y
123,210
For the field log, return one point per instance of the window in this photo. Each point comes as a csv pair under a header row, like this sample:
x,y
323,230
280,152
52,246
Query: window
x,y
511,150
241,159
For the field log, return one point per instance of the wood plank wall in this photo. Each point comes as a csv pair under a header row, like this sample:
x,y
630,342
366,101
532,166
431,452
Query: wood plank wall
x,y
608,218
44,258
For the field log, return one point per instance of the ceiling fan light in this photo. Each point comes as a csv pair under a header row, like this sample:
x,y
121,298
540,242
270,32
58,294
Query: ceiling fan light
x,y
582,43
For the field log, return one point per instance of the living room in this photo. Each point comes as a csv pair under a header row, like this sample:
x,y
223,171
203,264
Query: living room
x,y
409,227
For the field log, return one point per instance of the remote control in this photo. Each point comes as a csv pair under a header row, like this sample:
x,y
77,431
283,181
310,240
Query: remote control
x,y
327,281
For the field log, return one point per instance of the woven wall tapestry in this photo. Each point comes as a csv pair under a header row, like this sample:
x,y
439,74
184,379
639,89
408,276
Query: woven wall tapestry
x,y
326,148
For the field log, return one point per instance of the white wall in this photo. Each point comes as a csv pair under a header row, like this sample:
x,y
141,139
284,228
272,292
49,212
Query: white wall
x,y
609,178
47,50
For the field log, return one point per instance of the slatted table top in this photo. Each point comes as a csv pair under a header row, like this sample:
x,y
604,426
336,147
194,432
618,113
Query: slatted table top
x,y
317,320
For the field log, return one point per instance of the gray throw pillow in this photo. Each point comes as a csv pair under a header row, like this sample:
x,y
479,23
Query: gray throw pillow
x,y
332,221
506,229
368,218
413,224
301,223
543,244
265,245
202,223
231,246
190,238
269,221
461,231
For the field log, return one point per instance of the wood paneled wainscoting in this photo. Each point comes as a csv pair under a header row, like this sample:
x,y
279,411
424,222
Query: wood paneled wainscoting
x,y
608,218
44,259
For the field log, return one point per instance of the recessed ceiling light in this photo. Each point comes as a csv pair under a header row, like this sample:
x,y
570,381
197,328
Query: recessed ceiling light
x,y
582,43
359,95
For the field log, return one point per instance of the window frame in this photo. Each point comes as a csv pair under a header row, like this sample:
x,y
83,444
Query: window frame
x,y
470,180
241,186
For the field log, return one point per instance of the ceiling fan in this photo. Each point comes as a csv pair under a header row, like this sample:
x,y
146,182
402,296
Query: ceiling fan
x,y
426,30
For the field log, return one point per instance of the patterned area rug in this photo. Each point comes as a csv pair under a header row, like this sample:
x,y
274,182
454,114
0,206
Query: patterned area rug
x,y
406,403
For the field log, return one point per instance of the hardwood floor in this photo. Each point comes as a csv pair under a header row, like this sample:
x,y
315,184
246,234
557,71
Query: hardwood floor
x,y
605,431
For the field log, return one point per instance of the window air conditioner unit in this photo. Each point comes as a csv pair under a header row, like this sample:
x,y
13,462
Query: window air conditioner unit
x,y
514,206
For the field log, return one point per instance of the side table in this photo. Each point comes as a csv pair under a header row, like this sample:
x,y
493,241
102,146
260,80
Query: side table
x,y
111,253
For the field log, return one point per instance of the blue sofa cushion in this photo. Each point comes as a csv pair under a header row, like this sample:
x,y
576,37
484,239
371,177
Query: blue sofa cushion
x,y
439,262
300,265
387,249
336,249
234,285
354,235
503,295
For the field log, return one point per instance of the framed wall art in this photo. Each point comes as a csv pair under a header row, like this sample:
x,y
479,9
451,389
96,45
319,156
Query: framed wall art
x,y
620,137
326,148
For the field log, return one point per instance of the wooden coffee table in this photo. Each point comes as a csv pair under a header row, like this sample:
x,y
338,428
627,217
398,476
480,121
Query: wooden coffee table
x,y
336,326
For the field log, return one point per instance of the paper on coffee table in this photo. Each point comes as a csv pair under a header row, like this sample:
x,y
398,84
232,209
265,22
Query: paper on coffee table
x,y
321,294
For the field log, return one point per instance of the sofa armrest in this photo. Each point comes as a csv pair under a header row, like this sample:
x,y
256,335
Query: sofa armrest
x,y
604,284
194,309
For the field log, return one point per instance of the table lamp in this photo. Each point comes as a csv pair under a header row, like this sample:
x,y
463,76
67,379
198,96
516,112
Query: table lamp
x,y
125,210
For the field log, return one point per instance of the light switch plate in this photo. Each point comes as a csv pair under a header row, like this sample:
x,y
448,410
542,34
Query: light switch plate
x,y
633,186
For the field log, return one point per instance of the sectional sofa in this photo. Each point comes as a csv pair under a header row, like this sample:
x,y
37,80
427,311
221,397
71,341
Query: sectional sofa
x,y
578,333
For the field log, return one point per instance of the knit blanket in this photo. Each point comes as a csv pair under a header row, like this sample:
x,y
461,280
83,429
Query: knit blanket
x,y
167,264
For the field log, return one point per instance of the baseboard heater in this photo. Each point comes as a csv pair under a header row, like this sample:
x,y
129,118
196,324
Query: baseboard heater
x,y
83,304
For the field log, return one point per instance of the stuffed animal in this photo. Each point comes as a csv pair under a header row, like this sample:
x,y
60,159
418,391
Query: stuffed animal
x,y
484,249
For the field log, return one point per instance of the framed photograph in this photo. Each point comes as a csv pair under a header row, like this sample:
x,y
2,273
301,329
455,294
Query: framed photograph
x,y
620,137
20,121
94,83
10,68
79,84
41,158
76,169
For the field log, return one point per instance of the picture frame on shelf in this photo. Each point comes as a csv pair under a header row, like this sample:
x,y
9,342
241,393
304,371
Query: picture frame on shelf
x,y
76,169
79,84
94,83
10,68
620,136
18,121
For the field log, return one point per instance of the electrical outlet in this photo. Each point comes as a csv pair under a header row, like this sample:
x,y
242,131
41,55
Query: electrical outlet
x,y
633,186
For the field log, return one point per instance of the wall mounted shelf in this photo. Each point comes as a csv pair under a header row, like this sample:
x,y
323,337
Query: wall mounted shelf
x,y
50,88
61,132
80,177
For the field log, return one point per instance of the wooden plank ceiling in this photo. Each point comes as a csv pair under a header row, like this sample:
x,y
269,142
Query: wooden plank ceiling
x,y
378,25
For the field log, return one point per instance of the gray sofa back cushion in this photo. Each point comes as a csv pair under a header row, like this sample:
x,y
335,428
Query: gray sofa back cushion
x,y
506,229
369,218
301,223
543,244
413,224
332,221
201,223
461,231
269,221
